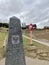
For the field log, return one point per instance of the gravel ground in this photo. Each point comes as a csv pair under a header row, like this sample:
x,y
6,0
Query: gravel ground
x,y
30,61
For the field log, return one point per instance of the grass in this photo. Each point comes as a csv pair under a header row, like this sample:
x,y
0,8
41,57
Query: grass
x,y
2,28
3,34
2,38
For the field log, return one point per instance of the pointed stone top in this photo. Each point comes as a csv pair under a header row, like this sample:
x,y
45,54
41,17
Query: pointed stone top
x,y
14,17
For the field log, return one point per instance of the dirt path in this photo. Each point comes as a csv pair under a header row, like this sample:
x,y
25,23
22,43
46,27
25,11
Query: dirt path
x,y
30,61
47,44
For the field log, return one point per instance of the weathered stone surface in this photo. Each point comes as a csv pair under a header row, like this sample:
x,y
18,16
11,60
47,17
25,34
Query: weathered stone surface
x,y
15,51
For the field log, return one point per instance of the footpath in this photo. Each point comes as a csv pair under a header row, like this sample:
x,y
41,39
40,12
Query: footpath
x,y
30,61
47,44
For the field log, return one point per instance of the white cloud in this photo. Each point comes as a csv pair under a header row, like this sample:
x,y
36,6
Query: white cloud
x,y
42,23
35,11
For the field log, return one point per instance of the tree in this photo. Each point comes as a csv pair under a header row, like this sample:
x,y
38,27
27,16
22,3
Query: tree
x,y
1,24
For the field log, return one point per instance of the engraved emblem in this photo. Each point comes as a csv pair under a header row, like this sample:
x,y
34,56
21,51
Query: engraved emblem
x,y
15,39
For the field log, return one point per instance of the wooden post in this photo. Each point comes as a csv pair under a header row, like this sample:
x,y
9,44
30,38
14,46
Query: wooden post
x,y
30,29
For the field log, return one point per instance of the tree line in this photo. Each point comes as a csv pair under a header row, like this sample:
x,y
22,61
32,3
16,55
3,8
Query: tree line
x,y
24,26
6,25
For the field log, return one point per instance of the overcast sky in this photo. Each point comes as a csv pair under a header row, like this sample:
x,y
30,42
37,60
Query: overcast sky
x,y
29,11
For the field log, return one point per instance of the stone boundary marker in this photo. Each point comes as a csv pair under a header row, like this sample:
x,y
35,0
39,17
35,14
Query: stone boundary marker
x,y
15,52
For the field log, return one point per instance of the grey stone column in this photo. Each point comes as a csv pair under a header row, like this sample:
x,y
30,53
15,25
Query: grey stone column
x,y
15,52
